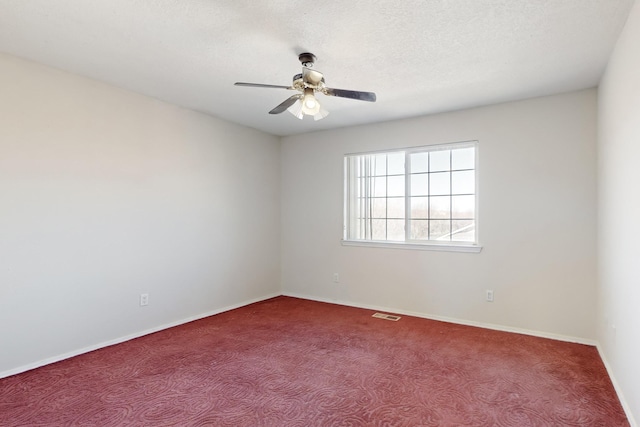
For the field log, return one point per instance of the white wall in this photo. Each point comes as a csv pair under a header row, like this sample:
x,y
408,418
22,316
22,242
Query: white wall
x,y
107,194
537,176
619,214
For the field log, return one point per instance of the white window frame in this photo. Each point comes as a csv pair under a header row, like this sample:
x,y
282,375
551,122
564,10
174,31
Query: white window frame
x,y
433,245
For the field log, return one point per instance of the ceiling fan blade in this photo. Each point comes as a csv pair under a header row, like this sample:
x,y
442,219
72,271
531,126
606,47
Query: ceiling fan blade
x,y
311,77
284,105
351,94
261,85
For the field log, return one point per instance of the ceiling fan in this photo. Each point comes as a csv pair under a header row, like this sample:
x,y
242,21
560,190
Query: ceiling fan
x,y
308,83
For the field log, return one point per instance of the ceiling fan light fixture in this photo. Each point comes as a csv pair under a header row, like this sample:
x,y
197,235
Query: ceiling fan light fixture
x,y
310,102
320,115
296,109
310,105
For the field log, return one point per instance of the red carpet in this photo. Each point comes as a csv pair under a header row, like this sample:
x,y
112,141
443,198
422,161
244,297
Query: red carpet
x,y
291,362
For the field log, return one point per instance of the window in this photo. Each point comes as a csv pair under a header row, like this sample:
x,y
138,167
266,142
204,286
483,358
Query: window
x,y
422,197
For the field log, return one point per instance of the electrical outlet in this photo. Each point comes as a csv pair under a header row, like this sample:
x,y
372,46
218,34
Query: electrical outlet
x,y
336,278
144,300
489,295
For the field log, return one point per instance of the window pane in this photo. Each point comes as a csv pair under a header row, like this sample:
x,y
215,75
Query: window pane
x,y
463,231
439,229
419,229
464,158
439,183
440,207
379,229
420,184
379,186
379,165
419,162
395,165
395,229
395,207
441,187
463,182
379,208
463,207
419,207
395,186
439,161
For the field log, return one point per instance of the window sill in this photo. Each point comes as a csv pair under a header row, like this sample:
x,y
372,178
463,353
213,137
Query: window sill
x,y
468,248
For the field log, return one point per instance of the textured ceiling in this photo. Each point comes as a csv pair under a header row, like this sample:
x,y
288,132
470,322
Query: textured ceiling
x,y
420,57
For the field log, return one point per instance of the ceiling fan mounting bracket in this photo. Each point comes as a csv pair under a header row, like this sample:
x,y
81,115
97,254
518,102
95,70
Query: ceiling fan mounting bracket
x,y
307,59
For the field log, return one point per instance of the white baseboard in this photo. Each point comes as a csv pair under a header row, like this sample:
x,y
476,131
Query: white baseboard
x,y
557,337
616,386
119,340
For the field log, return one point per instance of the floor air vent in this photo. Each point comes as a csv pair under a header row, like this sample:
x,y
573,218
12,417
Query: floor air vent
x,y
386,316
